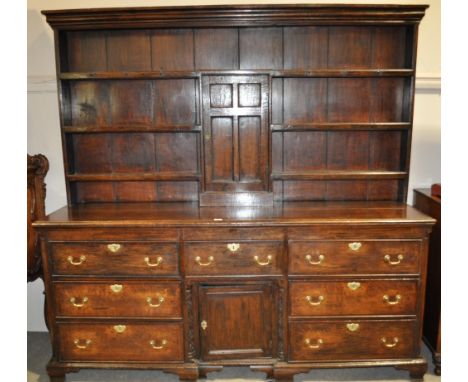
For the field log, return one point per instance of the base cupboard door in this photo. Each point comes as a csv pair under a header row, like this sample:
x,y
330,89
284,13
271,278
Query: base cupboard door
x,y
236,322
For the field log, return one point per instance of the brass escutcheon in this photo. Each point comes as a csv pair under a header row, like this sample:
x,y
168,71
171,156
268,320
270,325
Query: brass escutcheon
x,y
116,288
355,246
233,247
352,327
120,328
114,247
353,285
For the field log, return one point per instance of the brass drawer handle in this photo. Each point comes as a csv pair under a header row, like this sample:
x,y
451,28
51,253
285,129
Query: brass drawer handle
x,y
354,285
83,302
392,300
158,262
77,342
149,300
114,247
233,247
116,288
311,262
120,328
269,258
389,344
355,246
72,261
158,347
388,259
315,301
352,327
317,344
209,262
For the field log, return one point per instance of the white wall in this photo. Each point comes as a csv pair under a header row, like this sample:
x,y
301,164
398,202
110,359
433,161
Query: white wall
x,y
43,119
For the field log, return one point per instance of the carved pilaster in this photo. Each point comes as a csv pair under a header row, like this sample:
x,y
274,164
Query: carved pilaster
x,y
189,323
281,310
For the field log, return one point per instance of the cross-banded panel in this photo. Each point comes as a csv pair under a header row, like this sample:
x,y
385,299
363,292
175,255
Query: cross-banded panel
x,y
235,129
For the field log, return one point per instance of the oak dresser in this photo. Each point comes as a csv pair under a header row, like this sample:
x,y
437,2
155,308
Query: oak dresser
x,y
236,180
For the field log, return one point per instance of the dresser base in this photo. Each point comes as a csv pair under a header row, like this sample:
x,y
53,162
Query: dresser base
x,y
279,371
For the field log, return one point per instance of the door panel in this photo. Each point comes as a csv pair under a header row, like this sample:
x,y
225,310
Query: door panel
x,y
235,128
236,321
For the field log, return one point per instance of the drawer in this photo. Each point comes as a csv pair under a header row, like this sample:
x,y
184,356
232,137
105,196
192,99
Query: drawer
x,y
360,339
118,258
117,299
353,297
121,342
233,258
354,257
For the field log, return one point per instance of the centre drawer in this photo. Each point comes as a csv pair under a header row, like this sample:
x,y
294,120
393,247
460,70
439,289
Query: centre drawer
x,y
114,258
353,297
123,342
359,339
354,257
117,299
219,258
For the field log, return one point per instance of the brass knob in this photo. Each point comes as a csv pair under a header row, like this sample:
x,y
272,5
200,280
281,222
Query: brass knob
x,y
149,300
319,260
233,247
158,347
158,262
392,300
315,301
114,247
354,246
83,302
203,325
72,261
388,259
310,345
387,344
77,343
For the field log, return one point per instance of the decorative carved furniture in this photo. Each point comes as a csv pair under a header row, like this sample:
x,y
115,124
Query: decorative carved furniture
x,y
38,165
429,201
236,181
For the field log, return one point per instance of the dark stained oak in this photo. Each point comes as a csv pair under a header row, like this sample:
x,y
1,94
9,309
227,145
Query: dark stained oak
x,y
236,179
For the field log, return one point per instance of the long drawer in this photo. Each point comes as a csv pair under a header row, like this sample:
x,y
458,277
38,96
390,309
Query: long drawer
x,y
360,339
114,258
354,257
228,258
353,297
121,342
117,299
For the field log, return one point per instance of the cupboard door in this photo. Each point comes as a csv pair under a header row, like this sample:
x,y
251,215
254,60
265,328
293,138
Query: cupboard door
x,y
235,128
236,322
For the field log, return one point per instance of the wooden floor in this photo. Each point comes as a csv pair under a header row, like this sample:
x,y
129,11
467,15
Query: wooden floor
x,y
39,353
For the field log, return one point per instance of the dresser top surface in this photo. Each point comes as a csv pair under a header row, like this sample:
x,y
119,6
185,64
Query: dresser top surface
x,y
190,214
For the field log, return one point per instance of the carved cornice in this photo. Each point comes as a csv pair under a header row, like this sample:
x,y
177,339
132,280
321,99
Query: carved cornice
x,y
234,16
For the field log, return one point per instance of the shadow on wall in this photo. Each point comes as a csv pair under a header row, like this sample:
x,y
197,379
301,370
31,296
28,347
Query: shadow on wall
x,y
41,56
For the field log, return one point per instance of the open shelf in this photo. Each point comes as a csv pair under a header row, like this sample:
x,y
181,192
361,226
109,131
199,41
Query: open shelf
x,y
132,129
161,176
342,126
338,174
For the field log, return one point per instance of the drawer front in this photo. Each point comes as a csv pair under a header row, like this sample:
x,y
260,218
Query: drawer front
x,y
117,299
344,340
354,257
121,342
118,258
208,258
360,297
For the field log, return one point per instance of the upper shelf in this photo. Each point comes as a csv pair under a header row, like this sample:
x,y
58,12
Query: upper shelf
x,y
234,15
274,73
